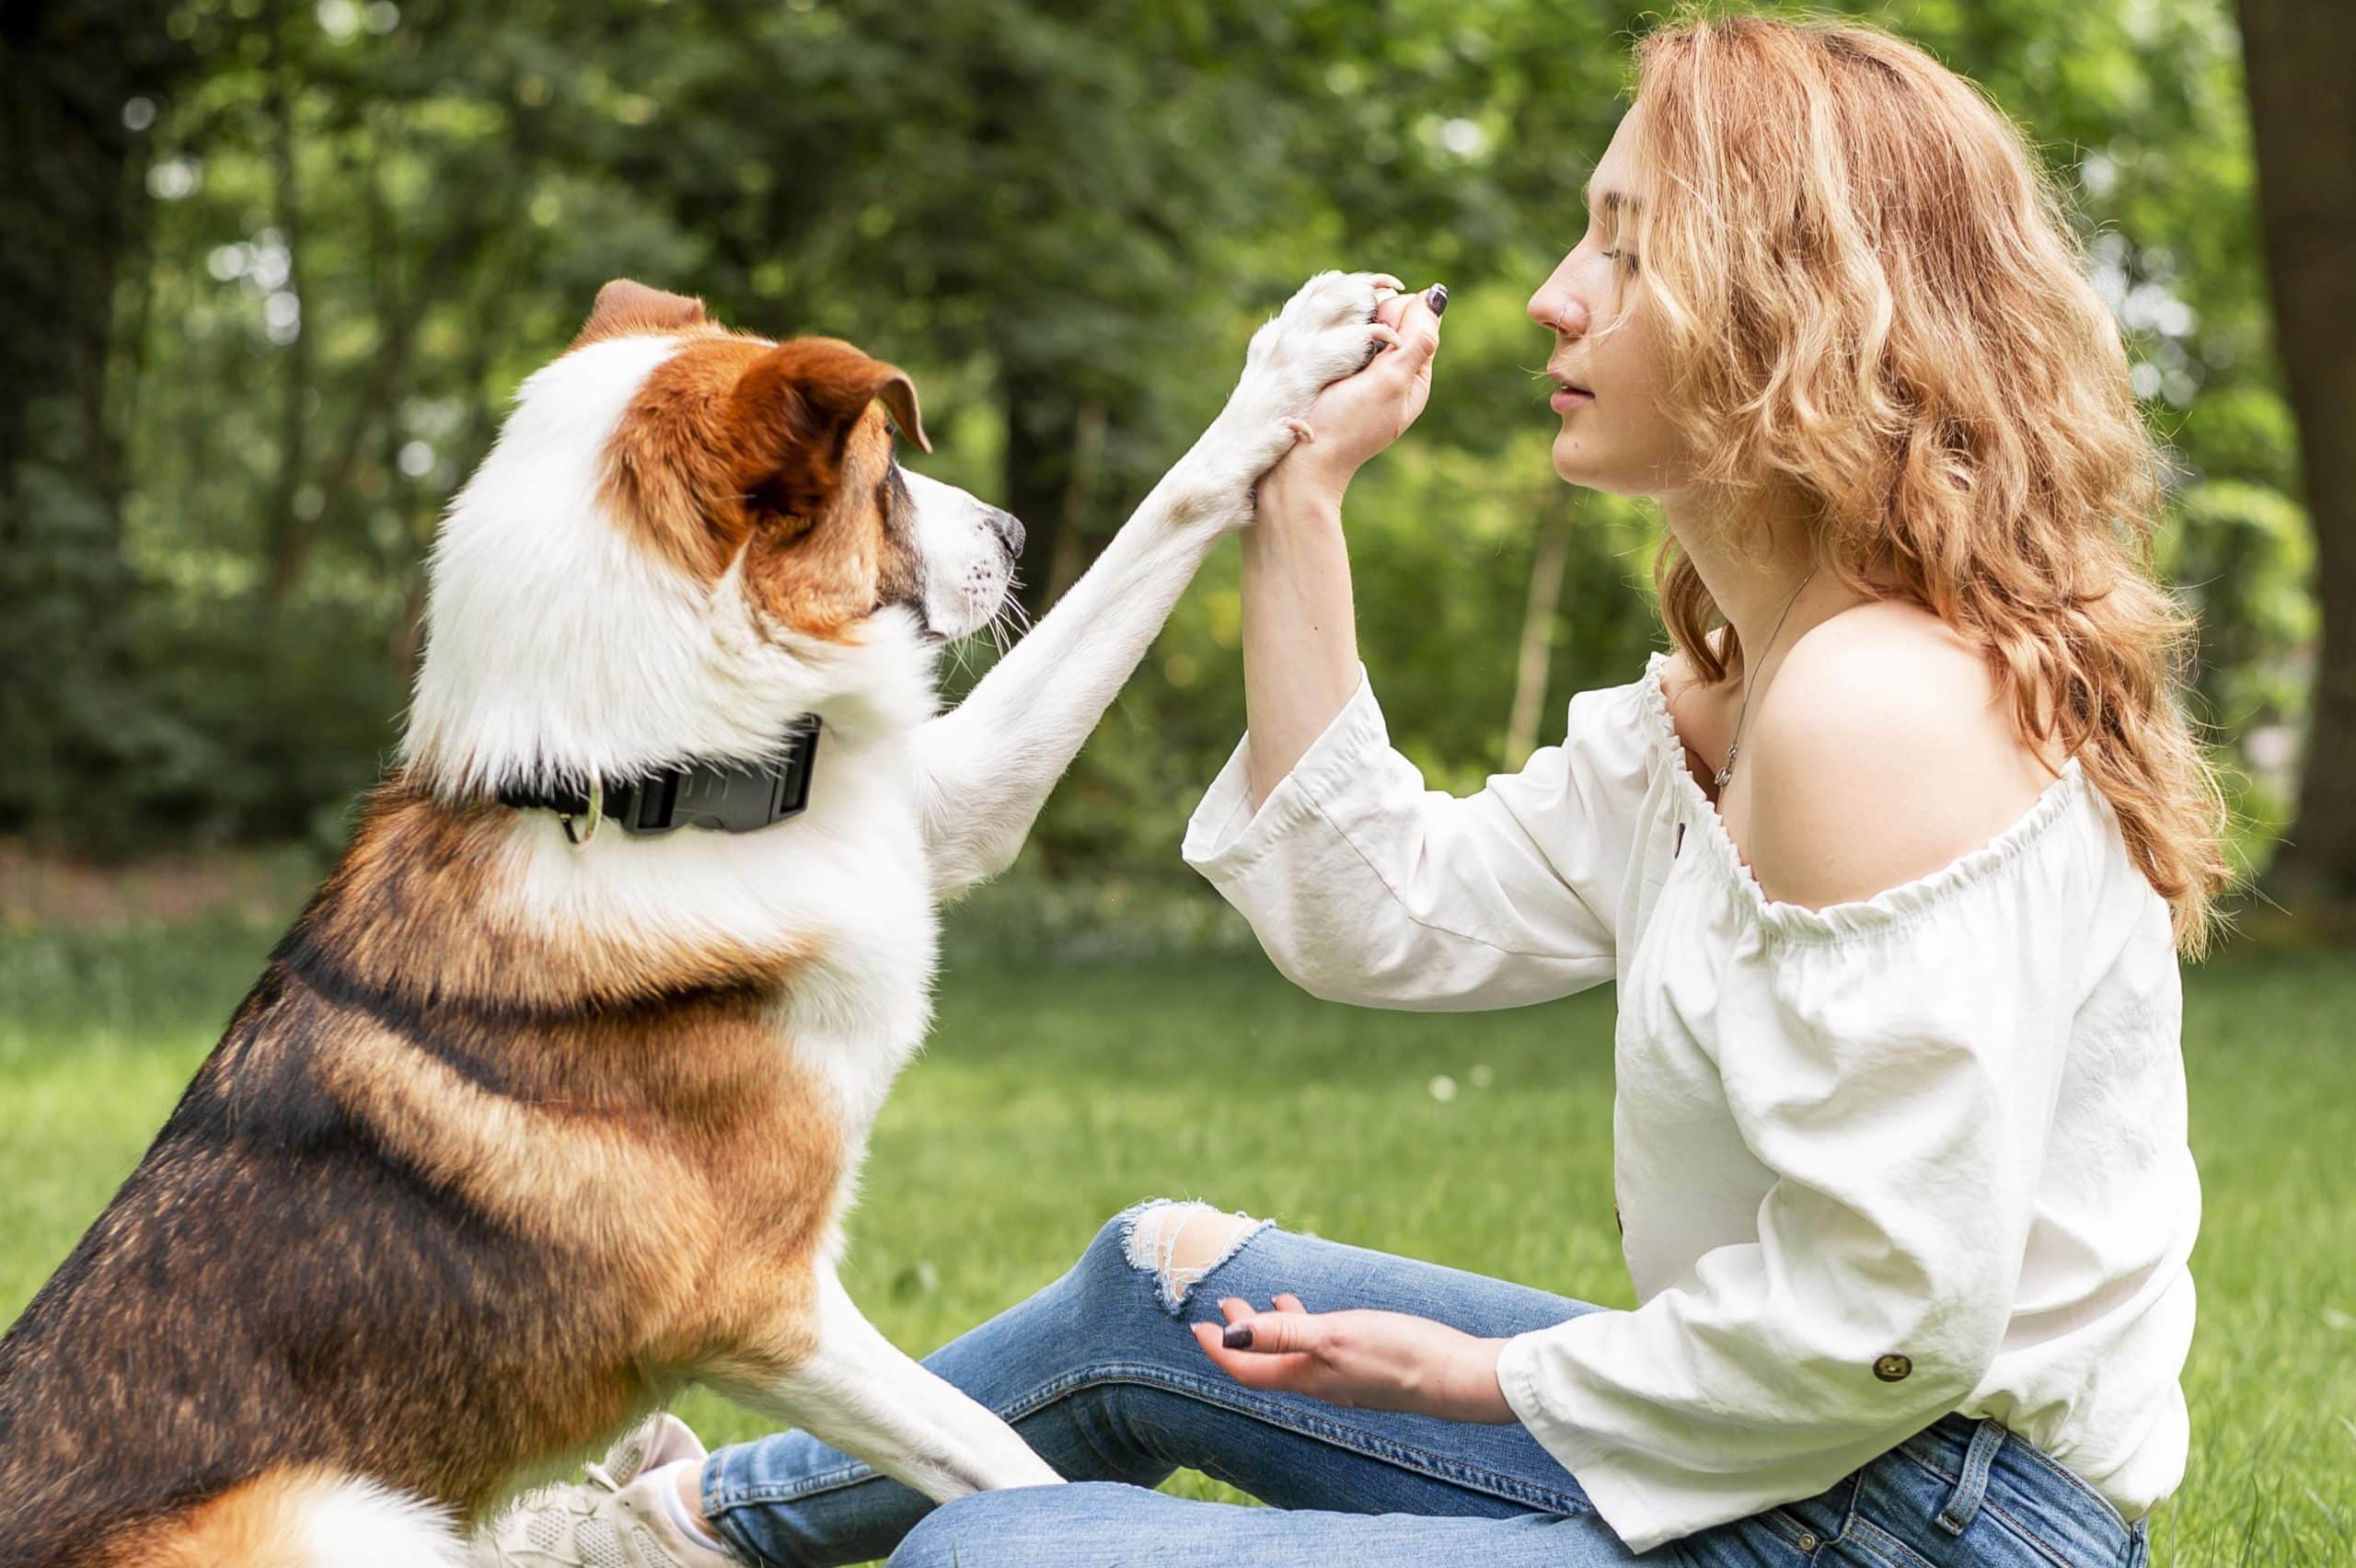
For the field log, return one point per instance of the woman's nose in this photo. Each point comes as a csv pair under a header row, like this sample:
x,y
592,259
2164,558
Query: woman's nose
x,y
1554,308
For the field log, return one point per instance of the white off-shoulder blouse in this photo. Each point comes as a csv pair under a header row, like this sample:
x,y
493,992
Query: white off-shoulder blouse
x,y
1876,1162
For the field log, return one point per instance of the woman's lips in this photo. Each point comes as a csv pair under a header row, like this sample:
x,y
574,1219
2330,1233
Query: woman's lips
x,y
1565,398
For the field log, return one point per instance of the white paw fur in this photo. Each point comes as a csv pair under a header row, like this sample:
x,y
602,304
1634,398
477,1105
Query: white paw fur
x,y
1324,332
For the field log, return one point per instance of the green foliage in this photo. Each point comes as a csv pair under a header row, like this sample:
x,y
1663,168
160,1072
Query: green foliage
x,y
359,224
2241,555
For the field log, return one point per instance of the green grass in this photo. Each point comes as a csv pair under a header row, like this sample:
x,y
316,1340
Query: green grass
x,y
1054,1096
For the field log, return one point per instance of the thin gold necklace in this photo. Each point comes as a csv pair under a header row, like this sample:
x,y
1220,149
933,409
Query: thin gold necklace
x,y
1735,745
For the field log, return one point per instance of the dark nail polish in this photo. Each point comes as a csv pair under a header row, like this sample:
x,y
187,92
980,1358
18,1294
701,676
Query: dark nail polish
x,y
1437,297
1237,1337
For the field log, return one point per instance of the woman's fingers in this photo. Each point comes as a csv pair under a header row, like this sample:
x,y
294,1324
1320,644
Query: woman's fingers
x,y
1408,324
1418,327
1272,1334
1287,1302
1392,310
1255,1366
1255,1369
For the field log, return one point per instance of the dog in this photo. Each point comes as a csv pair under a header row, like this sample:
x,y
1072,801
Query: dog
x,y
554,1097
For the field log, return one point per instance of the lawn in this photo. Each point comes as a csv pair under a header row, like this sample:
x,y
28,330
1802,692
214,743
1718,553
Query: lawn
x,y
1054,1095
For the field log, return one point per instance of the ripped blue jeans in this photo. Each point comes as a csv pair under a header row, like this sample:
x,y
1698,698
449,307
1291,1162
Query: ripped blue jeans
x,y
1100,1375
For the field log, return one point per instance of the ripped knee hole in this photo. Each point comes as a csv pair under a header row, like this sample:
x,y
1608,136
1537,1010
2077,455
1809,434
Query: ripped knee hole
x,y
1178,1244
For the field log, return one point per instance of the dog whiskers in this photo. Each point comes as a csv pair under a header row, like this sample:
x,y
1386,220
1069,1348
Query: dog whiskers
x,y
1013,621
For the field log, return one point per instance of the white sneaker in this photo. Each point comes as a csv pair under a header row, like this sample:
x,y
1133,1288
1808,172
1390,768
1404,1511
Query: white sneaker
x,y
615,1519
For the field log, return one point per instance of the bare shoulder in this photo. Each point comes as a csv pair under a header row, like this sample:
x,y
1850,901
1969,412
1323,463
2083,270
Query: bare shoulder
x,y
1882,750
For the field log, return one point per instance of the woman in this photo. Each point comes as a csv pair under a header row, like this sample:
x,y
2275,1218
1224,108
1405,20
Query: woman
x,y
1891,859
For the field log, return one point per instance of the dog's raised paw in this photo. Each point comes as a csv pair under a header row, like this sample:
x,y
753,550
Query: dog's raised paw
x,y
1325,331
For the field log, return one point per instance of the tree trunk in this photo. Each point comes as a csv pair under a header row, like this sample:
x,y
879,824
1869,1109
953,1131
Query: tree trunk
x,y
2302,111
1040,420
400,322
1073,552
1537,633
73,202
290,530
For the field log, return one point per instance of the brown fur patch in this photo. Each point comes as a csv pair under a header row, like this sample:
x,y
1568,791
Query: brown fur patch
x,y
779,453
422,880
671,473
825,581
252,1526
451,1198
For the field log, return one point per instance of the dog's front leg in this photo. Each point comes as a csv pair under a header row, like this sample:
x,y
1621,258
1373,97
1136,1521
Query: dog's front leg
x,y
987,765
863,1394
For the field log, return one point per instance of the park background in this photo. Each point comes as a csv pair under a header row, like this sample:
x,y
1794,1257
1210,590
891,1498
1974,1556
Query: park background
x,y
270,273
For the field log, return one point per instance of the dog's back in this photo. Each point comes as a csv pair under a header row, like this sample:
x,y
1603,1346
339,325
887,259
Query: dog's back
x,y
232,1341
402,1234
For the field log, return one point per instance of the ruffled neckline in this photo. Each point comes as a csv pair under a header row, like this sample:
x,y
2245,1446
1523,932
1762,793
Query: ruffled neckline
x,y
1892,907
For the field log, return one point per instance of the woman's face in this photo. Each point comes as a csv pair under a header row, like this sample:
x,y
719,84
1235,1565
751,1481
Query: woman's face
x,y
1616,434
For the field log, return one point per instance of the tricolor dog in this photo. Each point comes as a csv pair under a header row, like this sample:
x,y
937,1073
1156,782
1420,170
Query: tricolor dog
x,y
554,1097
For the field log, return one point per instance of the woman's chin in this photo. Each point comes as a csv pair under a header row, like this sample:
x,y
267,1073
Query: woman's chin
x,y
1575,463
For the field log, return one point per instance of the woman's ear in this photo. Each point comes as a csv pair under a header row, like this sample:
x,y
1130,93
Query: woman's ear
x,y
791,415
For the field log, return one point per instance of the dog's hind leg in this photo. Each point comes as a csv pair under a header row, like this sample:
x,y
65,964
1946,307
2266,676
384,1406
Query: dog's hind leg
x,y
860,1393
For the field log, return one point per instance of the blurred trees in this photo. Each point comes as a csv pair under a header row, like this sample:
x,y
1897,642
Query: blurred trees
x,y
74,98
355,225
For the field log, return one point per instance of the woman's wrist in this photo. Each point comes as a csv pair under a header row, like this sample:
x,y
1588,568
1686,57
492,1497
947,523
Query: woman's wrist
x,y
1474,1391
1294,495
1301,651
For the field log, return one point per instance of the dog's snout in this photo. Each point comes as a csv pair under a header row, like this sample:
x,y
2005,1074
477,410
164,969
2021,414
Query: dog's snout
x,y
1009,529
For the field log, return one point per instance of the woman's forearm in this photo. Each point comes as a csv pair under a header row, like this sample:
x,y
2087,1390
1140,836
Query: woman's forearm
x,y
1301,645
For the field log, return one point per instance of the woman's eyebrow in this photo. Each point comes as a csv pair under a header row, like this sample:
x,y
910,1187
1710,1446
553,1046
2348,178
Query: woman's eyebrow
x,y
1614,201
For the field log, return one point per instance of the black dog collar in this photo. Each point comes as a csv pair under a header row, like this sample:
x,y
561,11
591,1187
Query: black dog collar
x,y
730,797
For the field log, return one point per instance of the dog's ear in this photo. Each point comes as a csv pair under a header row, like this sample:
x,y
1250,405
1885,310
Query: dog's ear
x,y
624,307
791,415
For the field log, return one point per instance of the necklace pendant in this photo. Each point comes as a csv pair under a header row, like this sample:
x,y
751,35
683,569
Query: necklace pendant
x,y
1727,771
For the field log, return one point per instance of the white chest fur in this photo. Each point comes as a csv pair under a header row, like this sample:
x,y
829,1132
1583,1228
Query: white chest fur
x,y
845,883
860,1008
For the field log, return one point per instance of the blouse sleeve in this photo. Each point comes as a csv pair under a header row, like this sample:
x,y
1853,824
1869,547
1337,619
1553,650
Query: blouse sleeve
x,y
1365,887
1895,1066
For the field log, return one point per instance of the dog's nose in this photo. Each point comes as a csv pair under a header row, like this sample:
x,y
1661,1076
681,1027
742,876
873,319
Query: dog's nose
x,y
1009,529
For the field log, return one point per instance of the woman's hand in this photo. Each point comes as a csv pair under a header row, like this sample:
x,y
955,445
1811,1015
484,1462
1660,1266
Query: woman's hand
x,y
1301,659
1359,415
1365,1359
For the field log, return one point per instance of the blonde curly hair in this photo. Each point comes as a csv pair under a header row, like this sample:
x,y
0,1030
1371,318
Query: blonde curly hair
x,y
1865,288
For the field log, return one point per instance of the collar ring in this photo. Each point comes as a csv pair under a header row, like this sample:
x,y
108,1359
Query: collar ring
x,y
594,814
